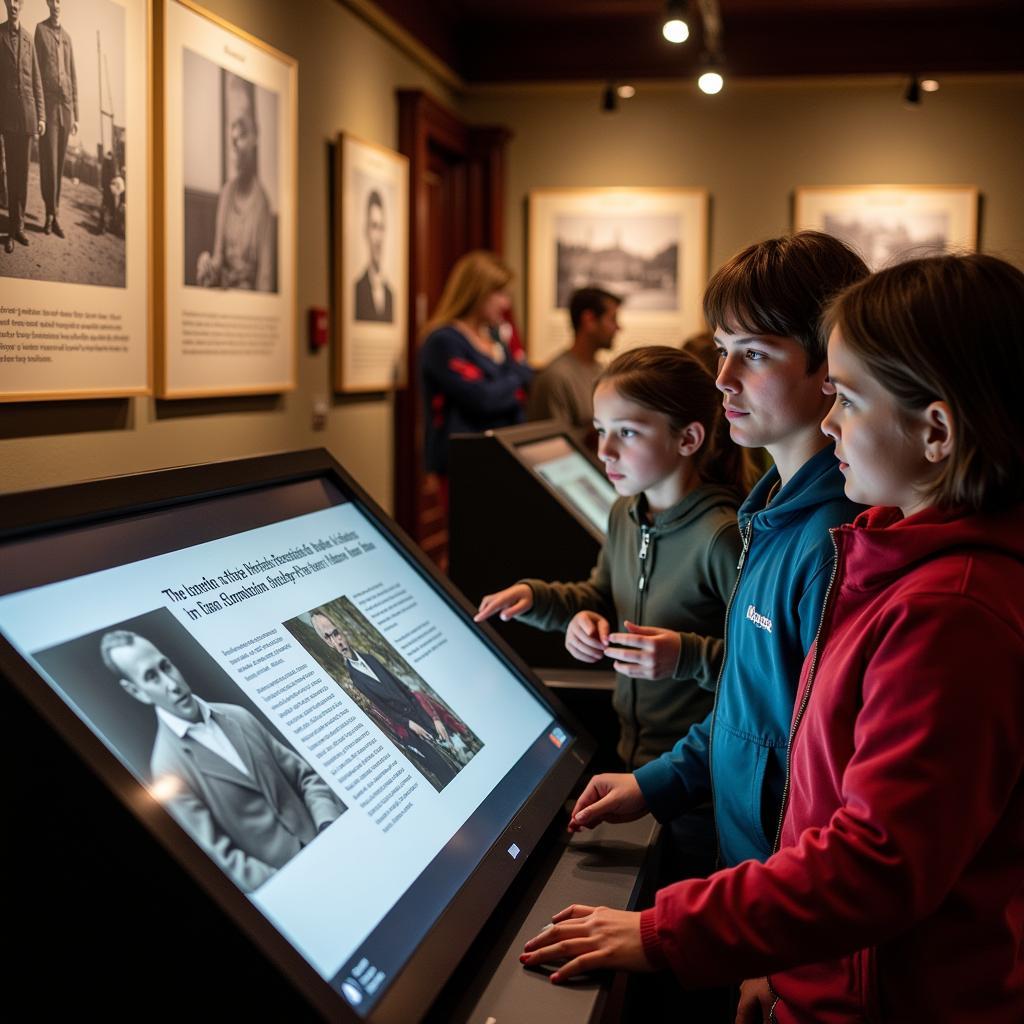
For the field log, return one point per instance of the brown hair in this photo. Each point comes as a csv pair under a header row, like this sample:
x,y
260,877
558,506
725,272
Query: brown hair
x,y
475,276
950,329
781,286
673,382
592,299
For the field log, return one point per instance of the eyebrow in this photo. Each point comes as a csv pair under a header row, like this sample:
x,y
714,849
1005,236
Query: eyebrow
x,y
746,339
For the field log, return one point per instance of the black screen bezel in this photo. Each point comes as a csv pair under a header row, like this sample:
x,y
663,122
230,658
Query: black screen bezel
x,y
514,438
409,995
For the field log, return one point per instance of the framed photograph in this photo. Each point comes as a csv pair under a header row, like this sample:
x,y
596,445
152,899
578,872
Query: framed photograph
x,y
648,245
75,242
371,265
888,224
226,279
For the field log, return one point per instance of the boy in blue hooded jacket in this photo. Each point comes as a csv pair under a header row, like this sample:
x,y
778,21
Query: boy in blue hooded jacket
x,y
765,306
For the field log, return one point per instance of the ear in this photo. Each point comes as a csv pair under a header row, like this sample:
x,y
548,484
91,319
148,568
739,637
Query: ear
x,y
690,438
133,691
937,426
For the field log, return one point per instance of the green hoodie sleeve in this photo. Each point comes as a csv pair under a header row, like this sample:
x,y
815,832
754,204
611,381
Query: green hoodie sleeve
x,y
554,604
700,657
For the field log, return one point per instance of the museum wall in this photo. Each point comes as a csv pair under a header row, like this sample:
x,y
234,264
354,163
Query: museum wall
x,y
750,147
348,74
753,144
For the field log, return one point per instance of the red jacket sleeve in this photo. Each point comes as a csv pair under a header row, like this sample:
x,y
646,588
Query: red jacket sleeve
x,y
937,751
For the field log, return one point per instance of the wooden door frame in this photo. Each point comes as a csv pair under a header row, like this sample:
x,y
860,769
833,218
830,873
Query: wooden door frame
x,y
423,124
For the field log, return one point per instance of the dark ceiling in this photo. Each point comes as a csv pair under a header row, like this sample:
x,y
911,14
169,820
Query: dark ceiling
x,y
549,40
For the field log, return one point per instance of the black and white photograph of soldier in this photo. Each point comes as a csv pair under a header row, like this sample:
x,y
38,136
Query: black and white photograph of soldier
x,y
636,256
176,719
373,296
65,217
435,740
884,238
230,131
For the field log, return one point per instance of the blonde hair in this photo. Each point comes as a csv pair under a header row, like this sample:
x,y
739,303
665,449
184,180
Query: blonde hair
x,y
475,276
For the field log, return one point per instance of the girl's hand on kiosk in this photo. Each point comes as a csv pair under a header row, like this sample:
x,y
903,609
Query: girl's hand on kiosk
x,y
613,797
587,636
511,601
592,938
645,652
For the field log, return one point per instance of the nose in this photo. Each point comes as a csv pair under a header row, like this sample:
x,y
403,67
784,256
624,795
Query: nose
x,y
726,381
605,449
828,424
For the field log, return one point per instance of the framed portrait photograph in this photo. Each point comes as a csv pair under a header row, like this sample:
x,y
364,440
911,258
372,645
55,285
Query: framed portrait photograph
x,y
226,277
371,265
75,242
888,224
647,245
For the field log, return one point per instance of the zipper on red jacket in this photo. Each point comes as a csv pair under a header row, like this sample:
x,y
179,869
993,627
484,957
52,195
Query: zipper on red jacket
x,y
646,533
806,695
745,538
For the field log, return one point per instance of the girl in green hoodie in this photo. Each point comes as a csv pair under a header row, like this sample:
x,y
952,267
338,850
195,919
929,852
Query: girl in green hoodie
x,y
672,549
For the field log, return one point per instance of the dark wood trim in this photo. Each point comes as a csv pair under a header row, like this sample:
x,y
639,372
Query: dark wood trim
x,y
477,156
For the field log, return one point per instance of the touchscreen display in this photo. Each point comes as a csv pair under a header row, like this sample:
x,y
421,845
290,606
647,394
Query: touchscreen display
x,y
574,477
307,705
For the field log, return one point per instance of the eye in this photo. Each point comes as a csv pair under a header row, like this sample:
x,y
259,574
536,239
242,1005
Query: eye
x,y
599,430
753,355
149,675
720,354
843,401
627,432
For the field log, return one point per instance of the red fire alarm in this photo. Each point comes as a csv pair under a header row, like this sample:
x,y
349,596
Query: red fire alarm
x,y
317,328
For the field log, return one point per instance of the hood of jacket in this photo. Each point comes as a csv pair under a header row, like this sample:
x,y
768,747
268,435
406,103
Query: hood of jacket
x,y
880,544
699,501
815,483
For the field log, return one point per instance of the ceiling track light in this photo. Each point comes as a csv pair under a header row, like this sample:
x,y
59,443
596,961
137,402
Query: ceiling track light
x,y
912,97
675,29
609,99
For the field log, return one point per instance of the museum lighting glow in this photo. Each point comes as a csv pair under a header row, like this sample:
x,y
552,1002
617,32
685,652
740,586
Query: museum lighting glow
x,y
929,85
710,82
675,29
626,92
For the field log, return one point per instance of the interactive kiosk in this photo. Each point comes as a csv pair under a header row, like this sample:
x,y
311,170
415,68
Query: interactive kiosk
x,y
526,501
260,760
532,501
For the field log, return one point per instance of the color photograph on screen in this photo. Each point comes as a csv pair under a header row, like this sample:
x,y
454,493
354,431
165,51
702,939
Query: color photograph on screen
x,y
179,723
433,738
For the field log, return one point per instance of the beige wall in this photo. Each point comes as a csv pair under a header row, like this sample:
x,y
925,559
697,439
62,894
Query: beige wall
x,y
348,74
751,145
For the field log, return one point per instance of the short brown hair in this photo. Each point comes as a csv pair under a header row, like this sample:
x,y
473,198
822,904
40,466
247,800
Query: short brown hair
x,y
950,329
673,382
592,298
781,286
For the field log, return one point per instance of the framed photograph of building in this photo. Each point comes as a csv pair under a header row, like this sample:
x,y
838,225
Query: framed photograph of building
x,y
226,317
648,245
371,265
75,241
888,224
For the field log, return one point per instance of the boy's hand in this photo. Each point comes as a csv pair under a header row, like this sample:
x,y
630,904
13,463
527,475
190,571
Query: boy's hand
x,y
645,652
613,797
587,636
511,601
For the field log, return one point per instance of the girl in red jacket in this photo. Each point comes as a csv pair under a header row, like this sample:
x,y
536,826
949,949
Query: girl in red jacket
x,y
897,890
